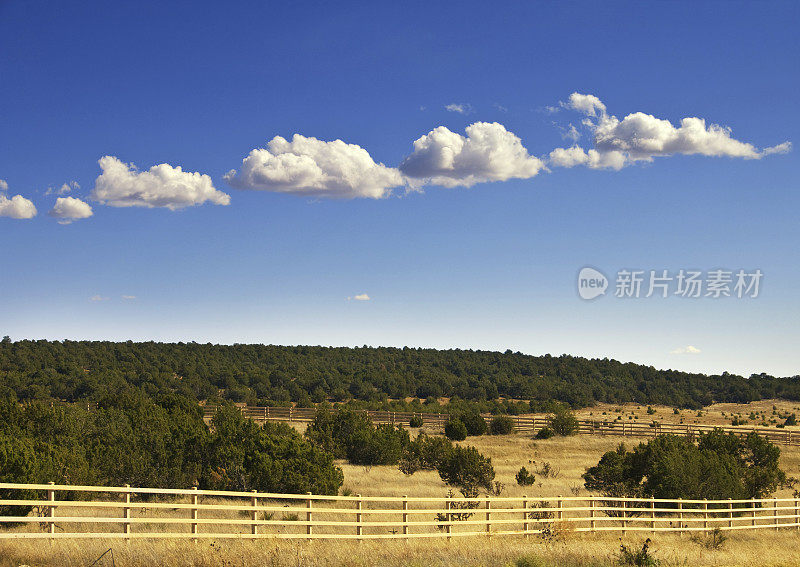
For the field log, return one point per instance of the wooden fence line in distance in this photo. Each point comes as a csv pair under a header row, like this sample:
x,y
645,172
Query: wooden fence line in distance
x,y
75,512
522,423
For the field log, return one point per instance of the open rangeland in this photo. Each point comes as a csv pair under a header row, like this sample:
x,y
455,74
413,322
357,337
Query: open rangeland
x,y
567,459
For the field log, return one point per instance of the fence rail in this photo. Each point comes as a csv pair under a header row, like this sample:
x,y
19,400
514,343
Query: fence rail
x,y
75,512
522,423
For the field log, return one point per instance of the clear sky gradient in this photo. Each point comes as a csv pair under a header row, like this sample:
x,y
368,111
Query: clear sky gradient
x,y
492,265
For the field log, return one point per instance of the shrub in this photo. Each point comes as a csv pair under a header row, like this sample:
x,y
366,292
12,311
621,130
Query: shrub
x,y
720,465
564,422
791,420
524,478
474,422
455,430
416,421
640,558
545,433
502,425
382,445
466,468
274,458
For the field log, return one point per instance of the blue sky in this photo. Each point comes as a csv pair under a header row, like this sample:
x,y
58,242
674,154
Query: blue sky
x,y
470,239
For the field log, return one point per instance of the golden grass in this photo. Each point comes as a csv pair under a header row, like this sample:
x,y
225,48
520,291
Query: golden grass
x,y
573,550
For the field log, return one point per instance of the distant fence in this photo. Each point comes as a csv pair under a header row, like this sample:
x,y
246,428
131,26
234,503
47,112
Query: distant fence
x,y
522,423
73,512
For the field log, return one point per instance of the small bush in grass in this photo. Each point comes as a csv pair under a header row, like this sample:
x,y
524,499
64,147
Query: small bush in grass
x,y
524,478
640,558
791,420
502,425
455,430
416,421
545,433
564,422
714,539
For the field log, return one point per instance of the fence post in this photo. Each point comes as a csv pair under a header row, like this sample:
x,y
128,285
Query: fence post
x,y
525,515
51,511
705,515
797,513
359,517
254,513
194,514
448,506
126,513
652,515
730,513
775,512
308,515
405,515
753,511
680,516
624,516
591,513
488,517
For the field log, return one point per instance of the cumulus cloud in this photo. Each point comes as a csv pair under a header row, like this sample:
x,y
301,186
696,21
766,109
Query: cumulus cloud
x,y
359,297
64,189
70,209
642,137
98,298
17,207
585,103
3,185
461,108
488,152
312,167
122,185
688,349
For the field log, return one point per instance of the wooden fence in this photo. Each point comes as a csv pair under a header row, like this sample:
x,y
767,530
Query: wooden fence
x,y
523,423
72,512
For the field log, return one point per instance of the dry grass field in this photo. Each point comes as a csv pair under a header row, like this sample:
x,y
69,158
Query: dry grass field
x,y
567,459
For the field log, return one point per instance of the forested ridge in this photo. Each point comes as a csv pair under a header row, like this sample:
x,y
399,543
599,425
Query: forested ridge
x,y
263,374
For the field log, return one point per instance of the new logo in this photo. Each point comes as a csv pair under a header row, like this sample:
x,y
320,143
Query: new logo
x,y
591,283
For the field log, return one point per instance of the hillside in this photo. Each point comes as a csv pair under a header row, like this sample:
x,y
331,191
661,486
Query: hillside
x,y
84,370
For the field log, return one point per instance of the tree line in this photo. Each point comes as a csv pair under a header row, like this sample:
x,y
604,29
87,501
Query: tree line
x,y
303,375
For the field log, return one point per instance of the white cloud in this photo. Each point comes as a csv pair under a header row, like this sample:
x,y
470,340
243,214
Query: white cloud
x,y
128,297
3,185
489,152
69,209
312,167
359,297
461,108
571,133
689,349
642,137
64,189
587,104
575,155
122,185
17,207
98,298
783,148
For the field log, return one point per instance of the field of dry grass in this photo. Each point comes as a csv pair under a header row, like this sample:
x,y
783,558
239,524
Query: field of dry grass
x,y
567,457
